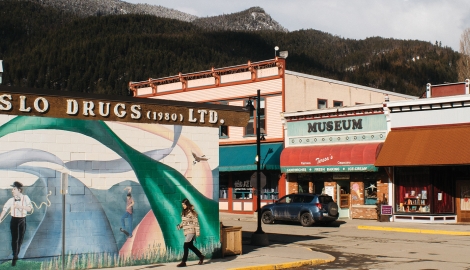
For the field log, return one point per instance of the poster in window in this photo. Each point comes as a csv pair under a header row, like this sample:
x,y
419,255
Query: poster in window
x,y
465,197
330,191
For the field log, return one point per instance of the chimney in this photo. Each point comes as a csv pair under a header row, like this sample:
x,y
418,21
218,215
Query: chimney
x,y
1,70
467,86
428,90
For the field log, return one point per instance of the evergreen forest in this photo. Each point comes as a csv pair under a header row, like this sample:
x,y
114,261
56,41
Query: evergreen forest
x,y
43,47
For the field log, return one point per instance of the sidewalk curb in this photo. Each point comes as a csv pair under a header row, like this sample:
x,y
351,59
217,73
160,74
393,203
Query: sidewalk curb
x,y
287,265
409,230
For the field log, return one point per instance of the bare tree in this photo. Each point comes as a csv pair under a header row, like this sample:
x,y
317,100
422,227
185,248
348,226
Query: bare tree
x,y
463,65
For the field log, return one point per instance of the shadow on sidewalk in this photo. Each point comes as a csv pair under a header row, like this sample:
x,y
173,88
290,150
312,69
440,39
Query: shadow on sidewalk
x,y
283,239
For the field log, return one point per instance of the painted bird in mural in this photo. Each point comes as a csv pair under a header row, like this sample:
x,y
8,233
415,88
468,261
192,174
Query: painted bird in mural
x,y
197,159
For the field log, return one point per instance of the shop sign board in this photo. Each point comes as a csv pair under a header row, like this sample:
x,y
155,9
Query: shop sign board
x,y
343,130
386,210
362,124
42,103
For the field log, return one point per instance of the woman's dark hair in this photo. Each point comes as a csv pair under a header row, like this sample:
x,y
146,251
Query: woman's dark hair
x,y
189,207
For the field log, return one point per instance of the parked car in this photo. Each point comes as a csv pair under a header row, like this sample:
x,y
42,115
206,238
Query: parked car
x,y
304,208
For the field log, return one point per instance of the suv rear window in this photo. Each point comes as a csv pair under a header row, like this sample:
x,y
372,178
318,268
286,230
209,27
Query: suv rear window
x,y
308,198
325,199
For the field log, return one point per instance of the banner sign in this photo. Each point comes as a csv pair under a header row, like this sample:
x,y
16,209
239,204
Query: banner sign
x,y
328,169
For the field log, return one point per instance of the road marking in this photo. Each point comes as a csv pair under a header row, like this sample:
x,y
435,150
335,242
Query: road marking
x,y
408,230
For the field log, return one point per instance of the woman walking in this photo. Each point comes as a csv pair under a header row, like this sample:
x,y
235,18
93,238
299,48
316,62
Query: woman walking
x,y
190,227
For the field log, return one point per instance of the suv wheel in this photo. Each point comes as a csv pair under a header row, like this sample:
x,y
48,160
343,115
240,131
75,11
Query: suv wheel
x,y
267,217
306,219
333,209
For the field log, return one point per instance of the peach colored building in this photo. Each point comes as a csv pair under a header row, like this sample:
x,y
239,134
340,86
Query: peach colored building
x,y
281,90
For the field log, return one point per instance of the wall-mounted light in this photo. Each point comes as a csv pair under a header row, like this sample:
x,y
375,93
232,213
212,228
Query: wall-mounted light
x,y
283,54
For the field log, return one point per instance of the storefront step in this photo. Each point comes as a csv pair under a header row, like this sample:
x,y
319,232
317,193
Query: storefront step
x,y
426,218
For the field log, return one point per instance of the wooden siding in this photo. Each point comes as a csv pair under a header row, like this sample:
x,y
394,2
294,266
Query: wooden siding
x,y
226,92
234,133
144,91
235,77
273,118
267,72
200,82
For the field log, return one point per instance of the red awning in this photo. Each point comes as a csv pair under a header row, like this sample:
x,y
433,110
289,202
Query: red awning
x,y
330,158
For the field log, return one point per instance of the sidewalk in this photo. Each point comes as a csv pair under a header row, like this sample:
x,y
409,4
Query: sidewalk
x,y
285,256
271,257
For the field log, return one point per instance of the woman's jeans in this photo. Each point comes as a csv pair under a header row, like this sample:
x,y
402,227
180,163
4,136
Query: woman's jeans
x,y
190,245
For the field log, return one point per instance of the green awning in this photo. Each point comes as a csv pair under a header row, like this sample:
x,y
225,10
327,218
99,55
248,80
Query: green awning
x,y
242,157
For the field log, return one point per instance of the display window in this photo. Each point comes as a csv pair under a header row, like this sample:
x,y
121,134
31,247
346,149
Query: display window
x,y
242,188
370,192
413,190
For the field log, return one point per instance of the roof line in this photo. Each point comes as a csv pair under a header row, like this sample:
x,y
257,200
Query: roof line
x,y
349,84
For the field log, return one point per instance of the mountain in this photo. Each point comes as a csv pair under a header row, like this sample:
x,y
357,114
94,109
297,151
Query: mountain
x,y
58,46
85,8
252,19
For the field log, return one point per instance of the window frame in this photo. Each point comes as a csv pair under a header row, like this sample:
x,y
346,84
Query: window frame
x,y
334,101
322,99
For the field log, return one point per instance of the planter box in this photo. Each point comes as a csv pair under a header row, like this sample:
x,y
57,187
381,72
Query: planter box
x,y
231,240
384,218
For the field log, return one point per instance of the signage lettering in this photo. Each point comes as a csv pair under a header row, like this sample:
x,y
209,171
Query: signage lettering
x,y
321,160
40,104
72,107
6,105
102,107
23,104
344,170
335,125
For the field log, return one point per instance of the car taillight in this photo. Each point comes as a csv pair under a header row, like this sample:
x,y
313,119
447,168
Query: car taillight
x,y
318,205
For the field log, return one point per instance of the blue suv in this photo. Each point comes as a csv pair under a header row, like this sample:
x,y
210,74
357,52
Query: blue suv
x,y
305,208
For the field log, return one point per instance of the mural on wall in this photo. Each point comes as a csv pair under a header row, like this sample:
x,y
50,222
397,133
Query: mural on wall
x,y
126,183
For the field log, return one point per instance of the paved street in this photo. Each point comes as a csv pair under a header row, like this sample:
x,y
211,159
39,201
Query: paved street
x,y
355,248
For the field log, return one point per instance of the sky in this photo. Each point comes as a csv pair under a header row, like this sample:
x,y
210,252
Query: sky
x,y
426,20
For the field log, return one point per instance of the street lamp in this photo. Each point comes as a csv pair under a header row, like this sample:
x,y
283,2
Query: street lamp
x,y
275,51
1,71
258,238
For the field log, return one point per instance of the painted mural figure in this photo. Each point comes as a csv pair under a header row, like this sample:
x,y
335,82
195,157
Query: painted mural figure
x,y
190,226
19,205
128,214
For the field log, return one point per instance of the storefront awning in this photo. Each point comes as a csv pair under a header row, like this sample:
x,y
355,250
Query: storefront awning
x,y
442,145
242,157
330,158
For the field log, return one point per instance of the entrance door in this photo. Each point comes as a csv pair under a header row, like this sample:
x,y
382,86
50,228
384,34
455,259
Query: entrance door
x,y
462,201
343,195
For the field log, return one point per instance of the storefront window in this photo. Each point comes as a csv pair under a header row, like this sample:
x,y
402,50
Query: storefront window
x,y
413,187
304,182
270,190
223,185
370,192
242,189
